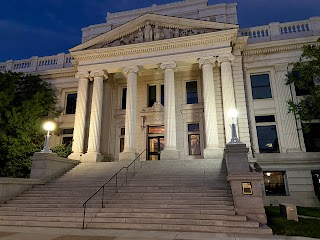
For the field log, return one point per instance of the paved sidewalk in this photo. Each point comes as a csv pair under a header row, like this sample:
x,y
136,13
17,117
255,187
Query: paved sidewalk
x,y
38,233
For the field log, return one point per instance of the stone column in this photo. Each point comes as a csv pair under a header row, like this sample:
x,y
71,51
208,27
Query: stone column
x,y
93,154
80,116
228,96
212,149
170,151
129,152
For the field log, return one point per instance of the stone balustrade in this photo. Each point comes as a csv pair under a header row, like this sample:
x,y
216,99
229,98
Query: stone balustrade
x,y
280,31
34,64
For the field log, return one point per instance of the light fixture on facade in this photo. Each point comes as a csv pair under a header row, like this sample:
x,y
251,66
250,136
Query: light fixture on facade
x,y
48,126
233,113
268,174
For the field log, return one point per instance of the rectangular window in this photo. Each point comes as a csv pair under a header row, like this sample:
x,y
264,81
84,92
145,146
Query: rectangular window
x,y
67,140
71,103
124,98
260,85
156,129
122,133
311,135
274,183
152,95
268,118
194,139
268,139
192,92
67,136
162,94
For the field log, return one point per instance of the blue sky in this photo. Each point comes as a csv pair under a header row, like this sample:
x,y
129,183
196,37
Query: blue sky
x,y
47,27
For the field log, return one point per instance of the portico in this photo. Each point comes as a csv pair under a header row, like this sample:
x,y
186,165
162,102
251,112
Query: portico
x,y
204,122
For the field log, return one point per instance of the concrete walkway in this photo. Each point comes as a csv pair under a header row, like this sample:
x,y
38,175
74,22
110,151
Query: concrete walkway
x,y
37,233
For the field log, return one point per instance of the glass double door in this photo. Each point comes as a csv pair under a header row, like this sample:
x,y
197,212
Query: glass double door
x,y
155,146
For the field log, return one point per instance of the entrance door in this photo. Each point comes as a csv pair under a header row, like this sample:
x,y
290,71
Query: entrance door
x,y
155,146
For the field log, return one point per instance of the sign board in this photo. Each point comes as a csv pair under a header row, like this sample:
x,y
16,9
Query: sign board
x,y
247,188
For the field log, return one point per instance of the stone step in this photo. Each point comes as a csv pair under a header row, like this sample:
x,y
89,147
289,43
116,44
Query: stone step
x,y
182,228
171,216
47,214
155,211
41,224
172,206
48,205
190,202
50,209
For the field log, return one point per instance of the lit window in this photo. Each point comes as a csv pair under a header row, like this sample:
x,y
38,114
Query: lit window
x,y
194,139
71,103
152,93
124,98
122,133
267,134
192,92
260,85
311,136
274,183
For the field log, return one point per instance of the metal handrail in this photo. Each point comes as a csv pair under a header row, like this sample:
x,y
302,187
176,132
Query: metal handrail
x,y
103,186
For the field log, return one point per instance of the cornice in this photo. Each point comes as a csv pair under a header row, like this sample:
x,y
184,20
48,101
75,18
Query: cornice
x,y
157,46
279,46
57,73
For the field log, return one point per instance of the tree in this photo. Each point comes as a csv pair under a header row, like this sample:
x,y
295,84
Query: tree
x,y
25,102
304,74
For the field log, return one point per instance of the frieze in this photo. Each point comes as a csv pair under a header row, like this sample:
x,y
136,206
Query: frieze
x,y
152,31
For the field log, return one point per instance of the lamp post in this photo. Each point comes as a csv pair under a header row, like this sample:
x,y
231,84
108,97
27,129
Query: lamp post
x,y
48,126
233,113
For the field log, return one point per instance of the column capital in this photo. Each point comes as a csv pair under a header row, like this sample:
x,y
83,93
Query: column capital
x,y
131,69
207,60
99,73
225,58
82,75
168,65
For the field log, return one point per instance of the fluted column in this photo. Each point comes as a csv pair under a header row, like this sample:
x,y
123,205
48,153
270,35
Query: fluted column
x,y
129,152
93,153
170,151
228,96
212,149
80,116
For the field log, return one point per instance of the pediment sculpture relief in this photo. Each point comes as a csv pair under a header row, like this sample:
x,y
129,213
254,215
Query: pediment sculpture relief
x,y
157,107
154,32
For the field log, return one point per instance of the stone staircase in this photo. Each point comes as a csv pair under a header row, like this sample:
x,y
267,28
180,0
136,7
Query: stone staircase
x,y
188,195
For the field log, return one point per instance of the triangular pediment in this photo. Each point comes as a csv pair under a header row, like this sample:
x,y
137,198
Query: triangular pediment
x,y
152,27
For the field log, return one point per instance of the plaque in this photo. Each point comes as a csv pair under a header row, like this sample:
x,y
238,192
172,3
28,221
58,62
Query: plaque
x,y
247,188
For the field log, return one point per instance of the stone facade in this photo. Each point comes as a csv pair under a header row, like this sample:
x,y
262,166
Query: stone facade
x,y
169,46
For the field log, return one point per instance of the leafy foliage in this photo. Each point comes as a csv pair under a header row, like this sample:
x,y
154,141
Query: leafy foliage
x,y
25,101
63,150
304,73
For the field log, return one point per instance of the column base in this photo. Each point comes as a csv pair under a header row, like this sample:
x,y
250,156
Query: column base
x,y
92,157
170,154
213,153
128,156
75,156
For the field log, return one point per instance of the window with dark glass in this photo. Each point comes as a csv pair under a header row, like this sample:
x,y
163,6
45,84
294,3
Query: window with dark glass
x,y
316,182
124,98
67,136
268,139
152,95
192,92
71,103
268,118
194,139
274,183
122,133
260,85
162,94
311,135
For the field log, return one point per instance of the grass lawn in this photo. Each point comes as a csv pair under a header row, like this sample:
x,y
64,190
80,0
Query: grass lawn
x,y
282,226
307,211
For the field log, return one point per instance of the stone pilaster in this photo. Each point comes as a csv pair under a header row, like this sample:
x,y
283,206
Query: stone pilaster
x,y
228,96
170,151
93,154
129,152
210,110
80,116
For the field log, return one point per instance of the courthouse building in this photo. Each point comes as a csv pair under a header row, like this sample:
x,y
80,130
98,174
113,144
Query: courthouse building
x,y
165,78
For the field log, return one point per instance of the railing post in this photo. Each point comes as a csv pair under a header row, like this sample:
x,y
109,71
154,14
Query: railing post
x,y
84,215
102,197
116,182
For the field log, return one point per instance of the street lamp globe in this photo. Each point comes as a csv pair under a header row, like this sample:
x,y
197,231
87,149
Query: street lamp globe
x,y
233,113
48,126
